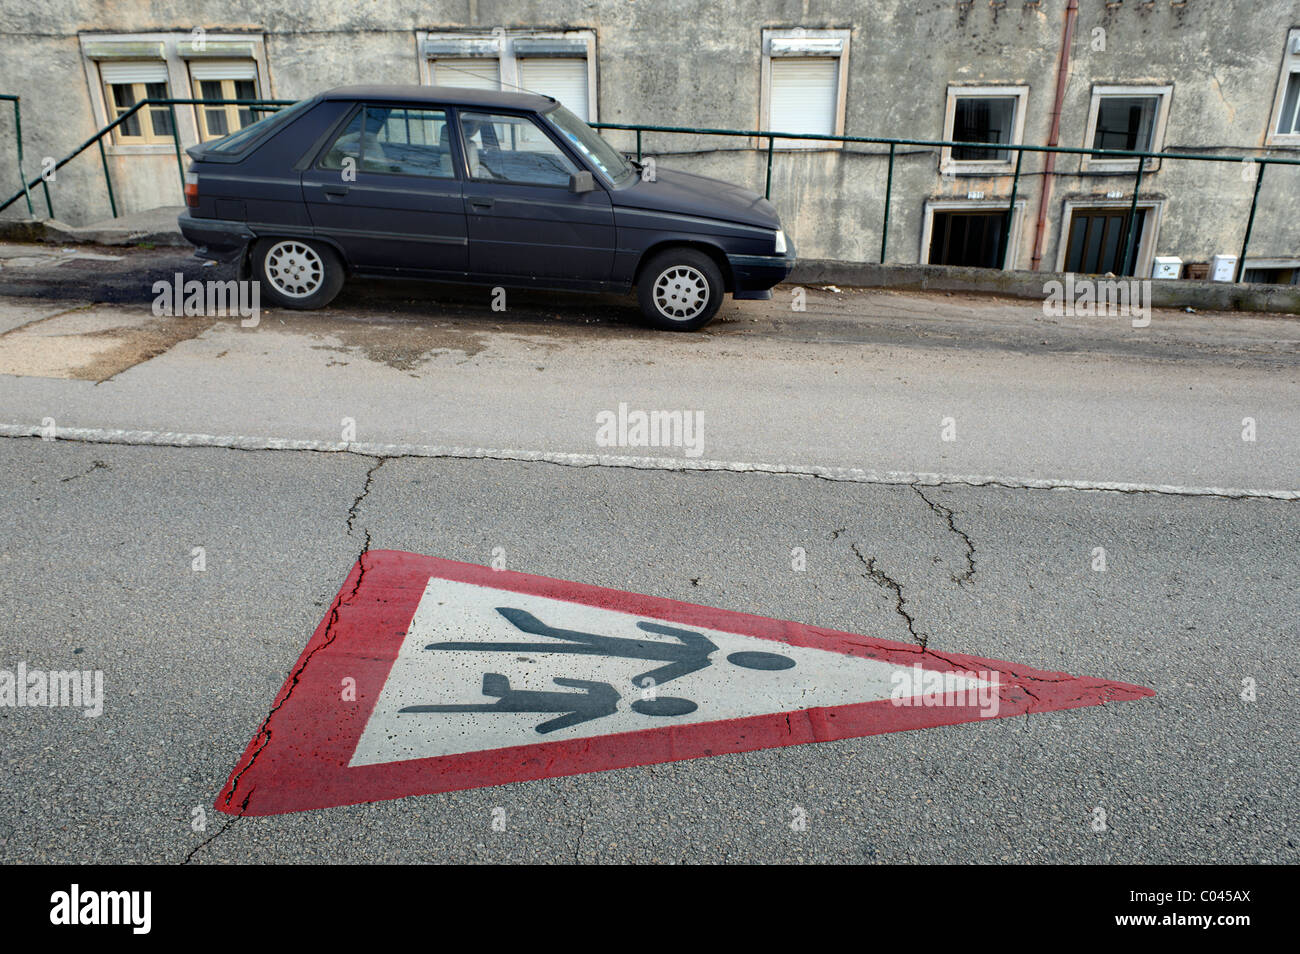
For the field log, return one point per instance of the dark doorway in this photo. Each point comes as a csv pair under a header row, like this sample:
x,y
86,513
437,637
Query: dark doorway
x,y
968,238
1097,239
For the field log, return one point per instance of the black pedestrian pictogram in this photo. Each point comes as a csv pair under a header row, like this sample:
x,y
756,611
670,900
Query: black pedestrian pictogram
x,y
594,701
689,653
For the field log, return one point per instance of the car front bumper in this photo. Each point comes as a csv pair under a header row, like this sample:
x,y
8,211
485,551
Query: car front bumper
x,y
754,275
216,239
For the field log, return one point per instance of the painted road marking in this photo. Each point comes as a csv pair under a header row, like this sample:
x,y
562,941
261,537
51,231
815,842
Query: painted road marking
x,y
857,475
429,676
472,647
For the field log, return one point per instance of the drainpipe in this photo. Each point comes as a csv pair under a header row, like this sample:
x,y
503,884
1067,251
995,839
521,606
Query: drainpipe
x,y
1054,137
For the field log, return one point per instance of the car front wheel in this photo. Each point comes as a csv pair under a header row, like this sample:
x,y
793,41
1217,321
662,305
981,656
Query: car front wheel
x,y
680,289
296,273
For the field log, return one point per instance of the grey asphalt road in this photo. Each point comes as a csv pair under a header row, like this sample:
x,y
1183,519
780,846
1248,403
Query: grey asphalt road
x,y
1198,594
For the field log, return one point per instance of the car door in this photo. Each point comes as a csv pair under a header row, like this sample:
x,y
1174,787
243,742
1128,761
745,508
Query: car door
x,y
388,190
523,221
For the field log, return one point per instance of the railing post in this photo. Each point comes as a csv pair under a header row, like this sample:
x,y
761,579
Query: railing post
x,y
108,180
767,192
1130,225
889,189
18,137
1011,209
1250,222
638,145
49,206
176,141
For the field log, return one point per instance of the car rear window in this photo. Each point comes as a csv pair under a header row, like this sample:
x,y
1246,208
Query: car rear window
x,y
241,140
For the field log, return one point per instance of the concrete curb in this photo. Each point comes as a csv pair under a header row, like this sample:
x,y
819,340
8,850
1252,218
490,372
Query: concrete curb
x,y
1165,293
101,233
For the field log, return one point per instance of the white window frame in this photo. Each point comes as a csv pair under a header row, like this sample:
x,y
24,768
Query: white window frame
x,y
500,44
1290,66
1146,239
974,205
1291,263
174,50
947,164
1164,93
829,43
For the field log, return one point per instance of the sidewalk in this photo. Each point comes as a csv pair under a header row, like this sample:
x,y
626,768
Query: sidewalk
x,y
150,227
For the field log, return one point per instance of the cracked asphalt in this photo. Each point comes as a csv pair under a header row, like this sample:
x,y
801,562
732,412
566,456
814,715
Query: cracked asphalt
x,y
1198,592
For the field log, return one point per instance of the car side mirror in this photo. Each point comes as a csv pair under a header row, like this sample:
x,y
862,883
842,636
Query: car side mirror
x,y
582,182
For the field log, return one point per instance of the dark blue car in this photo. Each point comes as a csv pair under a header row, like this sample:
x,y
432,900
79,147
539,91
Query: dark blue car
x,y
471,186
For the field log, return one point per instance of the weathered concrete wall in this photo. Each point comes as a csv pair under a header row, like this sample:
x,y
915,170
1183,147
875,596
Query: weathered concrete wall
x,y
697,63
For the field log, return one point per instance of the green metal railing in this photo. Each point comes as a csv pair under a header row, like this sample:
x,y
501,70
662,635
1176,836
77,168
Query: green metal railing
x,y
256,105
1128,249
18,142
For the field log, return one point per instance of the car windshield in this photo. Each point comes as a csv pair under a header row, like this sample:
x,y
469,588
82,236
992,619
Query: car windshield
x,y
237,141
600,153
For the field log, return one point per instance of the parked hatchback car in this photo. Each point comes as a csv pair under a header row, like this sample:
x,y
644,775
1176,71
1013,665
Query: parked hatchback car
x,y
478,186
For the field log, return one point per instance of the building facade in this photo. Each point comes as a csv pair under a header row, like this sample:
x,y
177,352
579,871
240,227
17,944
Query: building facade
x,y
1217,77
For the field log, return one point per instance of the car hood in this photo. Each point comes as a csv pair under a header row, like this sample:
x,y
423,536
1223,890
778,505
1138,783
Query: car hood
x,y
688,194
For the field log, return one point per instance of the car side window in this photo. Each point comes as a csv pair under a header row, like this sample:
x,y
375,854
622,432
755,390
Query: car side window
x,y
504,148
395,140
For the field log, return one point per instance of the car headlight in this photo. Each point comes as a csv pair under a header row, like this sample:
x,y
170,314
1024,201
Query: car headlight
x,y
780,242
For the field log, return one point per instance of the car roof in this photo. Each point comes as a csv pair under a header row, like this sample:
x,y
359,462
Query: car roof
x,y
451,95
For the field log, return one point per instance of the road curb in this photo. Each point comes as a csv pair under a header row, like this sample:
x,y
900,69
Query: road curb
x,y
1165,293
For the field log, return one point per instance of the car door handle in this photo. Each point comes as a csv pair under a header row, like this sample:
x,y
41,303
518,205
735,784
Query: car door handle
x,y
480,203
335,190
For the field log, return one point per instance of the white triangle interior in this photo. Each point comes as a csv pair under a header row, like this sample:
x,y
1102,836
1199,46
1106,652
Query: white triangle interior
x,y
451,611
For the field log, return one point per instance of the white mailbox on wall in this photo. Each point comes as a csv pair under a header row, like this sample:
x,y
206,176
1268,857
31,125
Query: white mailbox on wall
x,y
1167,266
1223,268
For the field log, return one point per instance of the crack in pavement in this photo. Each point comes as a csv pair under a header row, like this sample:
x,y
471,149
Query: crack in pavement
x,y
968,575
95,465
58,314
264,731
215,835
365,491
889,583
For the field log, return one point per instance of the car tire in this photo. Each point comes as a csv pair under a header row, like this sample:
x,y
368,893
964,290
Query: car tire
x,y
680,289
297,273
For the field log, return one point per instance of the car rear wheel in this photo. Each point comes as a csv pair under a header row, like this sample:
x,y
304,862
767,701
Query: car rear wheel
x,y
296,273
680,289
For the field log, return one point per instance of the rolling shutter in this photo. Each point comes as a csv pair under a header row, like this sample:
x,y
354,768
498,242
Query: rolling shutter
x,y
114,73
804,91
565,78
476,73
224,70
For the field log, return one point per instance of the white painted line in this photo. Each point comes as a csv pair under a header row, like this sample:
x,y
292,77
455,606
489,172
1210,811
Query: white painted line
x,y
93,435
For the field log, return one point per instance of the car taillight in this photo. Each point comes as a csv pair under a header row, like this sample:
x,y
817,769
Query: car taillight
x,y
192,190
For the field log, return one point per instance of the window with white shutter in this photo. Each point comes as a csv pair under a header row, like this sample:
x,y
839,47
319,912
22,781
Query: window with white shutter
x,y
804,84
565,78
558,63
803,96
468,72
